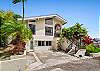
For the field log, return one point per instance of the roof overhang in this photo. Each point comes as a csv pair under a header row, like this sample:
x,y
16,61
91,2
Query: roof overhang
x,y
45,16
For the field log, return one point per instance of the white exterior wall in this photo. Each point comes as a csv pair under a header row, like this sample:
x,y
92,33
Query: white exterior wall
x,y
57,22
40,32
40,27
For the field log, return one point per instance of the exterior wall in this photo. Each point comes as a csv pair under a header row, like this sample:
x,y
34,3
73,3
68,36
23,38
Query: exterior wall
x,y
57,21
42,48
40,27
40,33
54,43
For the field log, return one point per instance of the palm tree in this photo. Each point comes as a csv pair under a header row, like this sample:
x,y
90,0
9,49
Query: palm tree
x,y
17,1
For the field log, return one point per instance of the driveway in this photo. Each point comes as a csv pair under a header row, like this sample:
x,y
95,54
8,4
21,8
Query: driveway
x,y
81,65
59,61
46,56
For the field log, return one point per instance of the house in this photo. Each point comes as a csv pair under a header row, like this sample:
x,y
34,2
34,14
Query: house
x,y
44,29
96,42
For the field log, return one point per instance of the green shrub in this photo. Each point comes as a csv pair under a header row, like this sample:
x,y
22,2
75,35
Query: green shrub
x,y
92,49
82,47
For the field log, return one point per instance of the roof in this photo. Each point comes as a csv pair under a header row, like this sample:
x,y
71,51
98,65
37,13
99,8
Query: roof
x,y
45,16
97,39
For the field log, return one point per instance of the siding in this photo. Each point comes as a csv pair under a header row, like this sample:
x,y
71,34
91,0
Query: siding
x,y
40,27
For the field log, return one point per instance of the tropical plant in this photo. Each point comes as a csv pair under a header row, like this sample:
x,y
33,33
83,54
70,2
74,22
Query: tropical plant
x,y
16,30
87,40
16,16
74,32
10,27
17,1
92,49
4,18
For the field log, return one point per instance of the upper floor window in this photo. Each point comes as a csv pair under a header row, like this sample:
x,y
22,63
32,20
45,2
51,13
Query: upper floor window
x,y
32,27
57,30
31,20
49,21
49,31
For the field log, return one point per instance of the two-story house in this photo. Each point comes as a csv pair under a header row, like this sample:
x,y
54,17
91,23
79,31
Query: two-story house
x,y
44,29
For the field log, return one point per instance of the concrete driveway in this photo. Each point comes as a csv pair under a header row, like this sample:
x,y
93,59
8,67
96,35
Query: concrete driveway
x,y
49,56
59,61
81,65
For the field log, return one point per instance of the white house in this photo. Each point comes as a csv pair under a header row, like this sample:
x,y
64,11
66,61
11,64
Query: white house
x,y
45,29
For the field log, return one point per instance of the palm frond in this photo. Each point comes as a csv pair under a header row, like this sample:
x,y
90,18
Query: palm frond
x,y
16,1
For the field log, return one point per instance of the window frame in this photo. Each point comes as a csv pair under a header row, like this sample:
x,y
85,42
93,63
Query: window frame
x,y
48,43
41,43
33,30
49,32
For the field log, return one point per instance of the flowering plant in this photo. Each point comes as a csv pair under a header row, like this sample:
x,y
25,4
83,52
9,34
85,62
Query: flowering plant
x,y
87,40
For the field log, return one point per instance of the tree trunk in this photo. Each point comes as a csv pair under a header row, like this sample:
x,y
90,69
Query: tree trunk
x,y
23,13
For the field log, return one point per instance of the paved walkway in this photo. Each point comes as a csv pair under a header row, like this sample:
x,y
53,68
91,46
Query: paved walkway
x,y
81,65
49,59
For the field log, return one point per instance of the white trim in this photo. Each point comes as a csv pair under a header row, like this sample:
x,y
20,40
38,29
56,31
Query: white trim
x,y
53,28
44,26
50,16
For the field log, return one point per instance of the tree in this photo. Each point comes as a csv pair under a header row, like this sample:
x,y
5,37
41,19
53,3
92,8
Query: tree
x,y
6,17
74,34
17,1
17,16
11,27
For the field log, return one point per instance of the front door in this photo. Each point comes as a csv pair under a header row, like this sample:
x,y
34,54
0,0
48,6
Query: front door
x,y
31,44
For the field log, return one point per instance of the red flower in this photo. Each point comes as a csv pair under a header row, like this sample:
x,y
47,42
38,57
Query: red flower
x,y
87,40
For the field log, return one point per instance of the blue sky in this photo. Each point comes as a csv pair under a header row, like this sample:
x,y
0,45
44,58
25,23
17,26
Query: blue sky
x,y
85,12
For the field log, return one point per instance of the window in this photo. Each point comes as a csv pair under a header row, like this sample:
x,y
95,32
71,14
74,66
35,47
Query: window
x,y
49,21
48,43
41,43
32,27
49,31
57,30
31,20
